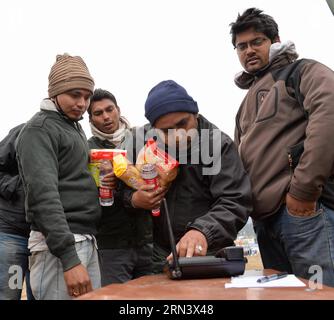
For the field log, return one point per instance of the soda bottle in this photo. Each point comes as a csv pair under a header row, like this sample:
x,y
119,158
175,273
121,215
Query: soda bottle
x,y
150,176
106,196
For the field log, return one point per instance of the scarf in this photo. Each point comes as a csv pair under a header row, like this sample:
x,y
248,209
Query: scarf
x,y
287,49
117,138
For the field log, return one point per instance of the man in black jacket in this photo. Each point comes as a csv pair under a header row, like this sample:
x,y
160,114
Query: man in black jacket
x,y
14,230
210,199
124,236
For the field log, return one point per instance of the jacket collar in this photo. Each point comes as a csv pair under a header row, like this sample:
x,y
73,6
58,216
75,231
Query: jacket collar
x,y
280,54
48,105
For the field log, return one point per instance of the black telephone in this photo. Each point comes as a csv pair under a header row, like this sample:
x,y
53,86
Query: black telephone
x,y
227,262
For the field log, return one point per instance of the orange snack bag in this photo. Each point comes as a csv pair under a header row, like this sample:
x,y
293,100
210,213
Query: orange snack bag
x,y
164,163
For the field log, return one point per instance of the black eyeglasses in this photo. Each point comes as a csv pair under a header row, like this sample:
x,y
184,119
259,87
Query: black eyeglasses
x,y
255,43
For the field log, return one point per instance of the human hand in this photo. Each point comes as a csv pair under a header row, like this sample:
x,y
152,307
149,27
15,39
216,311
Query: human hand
x,y
146,197
300,208
77,281
193,243
109,181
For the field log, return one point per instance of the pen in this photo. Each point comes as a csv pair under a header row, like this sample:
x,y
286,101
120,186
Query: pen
x,y
272,277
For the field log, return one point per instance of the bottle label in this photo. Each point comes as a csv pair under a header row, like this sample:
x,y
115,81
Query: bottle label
x,y
153,181
156,212
148,171
96,155
105,193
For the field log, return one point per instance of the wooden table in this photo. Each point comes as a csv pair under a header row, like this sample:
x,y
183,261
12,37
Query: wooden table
x,y
160,287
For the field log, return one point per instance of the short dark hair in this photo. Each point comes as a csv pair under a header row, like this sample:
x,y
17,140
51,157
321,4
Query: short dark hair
x,y
253,18
98,95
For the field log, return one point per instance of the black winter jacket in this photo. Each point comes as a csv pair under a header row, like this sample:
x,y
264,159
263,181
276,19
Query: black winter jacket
x,y
121,227
218,205
12,213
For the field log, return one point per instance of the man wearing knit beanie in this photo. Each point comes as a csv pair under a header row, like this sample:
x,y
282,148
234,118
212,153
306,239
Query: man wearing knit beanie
x,y
70,75
61,197
209,202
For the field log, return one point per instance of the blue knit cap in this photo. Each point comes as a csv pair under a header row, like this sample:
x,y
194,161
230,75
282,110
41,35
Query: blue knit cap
x,y
167,97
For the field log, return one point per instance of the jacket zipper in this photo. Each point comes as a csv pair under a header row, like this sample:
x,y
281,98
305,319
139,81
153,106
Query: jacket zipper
x,y
290,163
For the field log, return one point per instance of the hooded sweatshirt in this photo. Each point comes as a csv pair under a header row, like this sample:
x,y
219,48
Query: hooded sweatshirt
x,y
271,124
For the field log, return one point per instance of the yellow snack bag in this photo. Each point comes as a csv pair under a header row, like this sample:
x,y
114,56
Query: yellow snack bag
x,y
126,171
120,165
94,169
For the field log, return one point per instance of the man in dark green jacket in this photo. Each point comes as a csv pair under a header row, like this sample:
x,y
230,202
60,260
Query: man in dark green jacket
x,y
124,236
61,197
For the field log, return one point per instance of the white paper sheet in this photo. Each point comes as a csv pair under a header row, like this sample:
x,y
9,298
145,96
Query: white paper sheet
x,y
251,282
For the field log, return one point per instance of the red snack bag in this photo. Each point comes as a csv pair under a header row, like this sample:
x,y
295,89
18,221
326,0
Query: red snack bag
x,y
164,163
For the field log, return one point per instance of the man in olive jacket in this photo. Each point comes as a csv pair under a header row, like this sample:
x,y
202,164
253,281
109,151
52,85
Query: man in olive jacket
x,y
61,196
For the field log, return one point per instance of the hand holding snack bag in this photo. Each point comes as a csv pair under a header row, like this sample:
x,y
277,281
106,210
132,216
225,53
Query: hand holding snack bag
x,y
164,163
124,170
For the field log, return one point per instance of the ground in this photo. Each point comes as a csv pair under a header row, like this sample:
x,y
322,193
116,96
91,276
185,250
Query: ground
x,y
254,262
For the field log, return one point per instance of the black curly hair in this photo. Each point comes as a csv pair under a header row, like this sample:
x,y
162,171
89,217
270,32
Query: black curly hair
x,y
98,95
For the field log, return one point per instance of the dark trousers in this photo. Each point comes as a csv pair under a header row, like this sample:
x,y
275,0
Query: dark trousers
x,y
121,265
159,258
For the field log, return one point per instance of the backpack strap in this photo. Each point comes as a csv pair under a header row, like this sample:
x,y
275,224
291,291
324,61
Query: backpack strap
x,y
290,74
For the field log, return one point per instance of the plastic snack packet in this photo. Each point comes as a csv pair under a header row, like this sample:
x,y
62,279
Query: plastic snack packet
x,y
97,156
127,172
164,163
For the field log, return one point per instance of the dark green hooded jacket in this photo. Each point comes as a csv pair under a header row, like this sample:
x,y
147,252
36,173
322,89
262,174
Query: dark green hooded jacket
x,y
61,196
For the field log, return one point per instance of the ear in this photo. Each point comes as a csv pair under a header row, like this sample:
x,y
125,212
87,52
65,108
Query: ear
x,y
277,39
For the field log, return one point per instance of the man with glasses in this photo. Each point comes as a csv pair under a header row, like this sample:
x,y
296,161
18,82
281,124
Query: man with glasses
x,y
282,131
